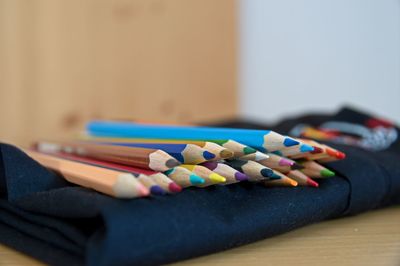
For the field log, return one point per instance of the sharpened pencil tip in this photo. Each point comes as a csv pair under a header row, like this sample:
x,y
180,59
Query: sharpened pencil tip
x,y
317,150
216,178
157,190
327,173
306,148
288,142
340,155
144,191
225,154
296,166
284,162
275,176
196,180
241,177
267,172
174,187
208,155
249,150
312,183
171,163
261,156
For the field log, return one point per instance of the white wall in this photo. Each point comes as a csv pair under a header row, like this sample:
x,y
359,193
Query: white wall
x,y
300,55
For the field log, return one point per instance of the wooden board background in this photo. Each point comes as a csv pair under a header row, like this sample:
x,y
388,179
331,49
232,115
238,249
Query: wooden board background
x,y
63,62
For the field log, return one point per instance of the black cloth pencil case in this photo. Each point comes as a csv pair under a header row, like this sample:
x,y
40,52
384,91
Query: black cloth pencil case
x,y
61,224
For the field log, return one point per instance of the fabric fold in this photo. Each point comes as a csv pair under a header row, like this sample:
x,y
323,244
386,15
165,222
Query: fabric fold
x,y
50,219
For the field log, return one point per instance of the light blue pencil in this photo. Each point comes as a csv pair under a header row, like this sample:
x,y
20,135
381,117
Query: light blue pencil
x,y
263,140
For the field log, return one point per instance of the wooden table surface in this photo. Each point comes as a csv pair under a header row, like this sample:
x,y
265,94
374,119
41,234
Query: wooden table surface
x,y
368,239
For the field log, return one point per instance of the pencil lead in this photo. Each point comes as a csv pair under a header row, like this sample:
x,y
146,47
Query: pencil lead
x,y
296,166
316,150
285,162
327,173
217,178
240,176
259,156
248,150
312,183
144,191
266,172
275,176
288,142
293,183
340,155
225,154
196,180
306,148
175,188
172,163
157,190
208,155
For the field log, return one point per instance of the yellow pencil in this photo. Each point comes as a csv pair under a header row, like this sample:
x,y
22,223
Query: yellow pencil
x,y
209,176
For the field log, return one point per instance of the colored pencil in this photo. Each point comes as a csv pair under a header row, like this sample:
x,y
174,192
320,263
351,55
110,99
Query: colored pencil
x,y
219,151
283,181
146,180
315,170
184,177
156,160
327,153
275,162
301,178
311,132
256,156
166,183
231,174
318,152
237,148
334,154
253,170
209,176
185,153
111,182
294,150
264,140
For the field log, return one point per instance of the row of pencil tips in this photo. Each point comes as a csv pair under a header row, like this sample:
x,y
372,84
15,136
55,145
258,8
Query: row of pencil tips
x,y
129,159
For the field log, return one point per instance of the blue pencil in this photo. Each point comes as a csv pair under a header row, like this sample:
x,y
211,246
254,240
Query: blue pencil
x,y
263,140
185,153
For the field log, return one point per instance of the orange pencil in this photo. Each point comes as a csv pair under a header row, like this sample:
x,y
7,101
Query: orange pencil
x,y
114,183
301,178
283,181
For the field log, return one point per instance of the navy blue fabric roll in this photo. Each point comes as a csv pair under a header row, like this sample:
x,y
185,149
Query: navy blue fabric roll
x,y
62,224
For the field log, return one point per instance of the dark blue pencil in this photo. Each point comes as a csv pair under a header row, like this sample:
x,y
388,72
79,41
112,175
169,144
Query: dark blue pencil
x,y
185,153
